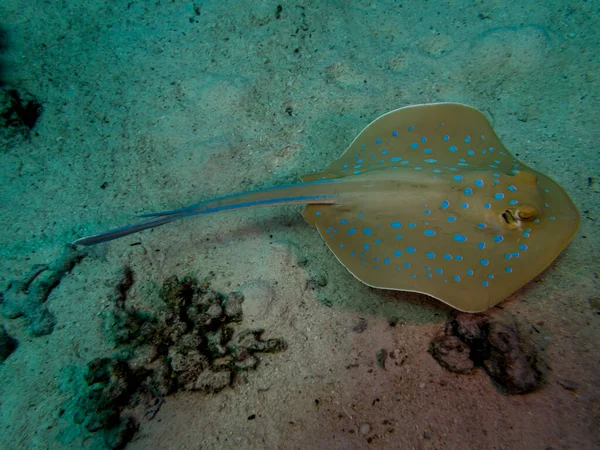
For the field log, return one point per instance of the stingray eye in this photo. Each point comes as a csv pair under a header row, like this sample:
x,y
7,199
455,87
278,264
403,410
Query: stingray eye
x,y
527,212
509,219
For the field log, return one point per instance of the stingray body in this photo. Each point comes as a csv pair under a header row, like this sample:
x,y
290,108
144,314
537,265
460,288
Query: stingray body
x,y
426,199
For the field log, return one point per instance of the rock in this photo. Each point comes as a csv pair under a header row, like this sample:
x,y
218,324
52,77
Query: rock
x,y
7,344
27,296
233,307
188,367
452,354
211,382
19,111
492,341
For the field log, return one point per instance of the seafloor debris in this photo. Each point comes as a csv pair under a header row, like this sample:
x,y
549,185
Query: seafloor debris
x,y
189,344
495,342
7,344
27,297
19,112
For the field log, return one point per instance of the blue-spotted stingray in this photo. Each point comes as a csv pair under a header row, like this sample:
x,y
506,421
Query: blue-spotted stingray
x,y
426,199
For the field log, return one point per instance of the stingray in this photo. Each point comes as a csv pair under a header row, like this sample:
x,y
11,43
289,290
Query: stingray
x,y
425,199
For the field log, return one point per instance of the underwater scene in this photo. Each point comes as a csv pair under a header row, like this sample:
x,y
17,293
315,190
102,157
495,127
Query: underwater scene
x,y
299,225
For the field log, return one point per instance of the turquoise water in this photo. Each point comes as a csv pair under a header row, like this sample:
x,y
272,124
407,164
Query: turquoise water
x,y
154,106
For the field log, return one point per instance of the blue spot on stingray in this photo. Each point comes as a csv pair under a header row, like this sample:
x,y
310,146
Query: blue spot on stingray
x,y
468,139
458,258
430,255
427,212
396,224
384,152
515,254
512,188
522,247
429,275
410,128
470,152
378,141
479,183
460,237
484,262
481,245
525,235
457,177
487,206
456,278
362,255
446,137
468,191
410,250
394,133
448,257
368,231
451,219
345,166
398,236
431,160
491,276
386,260
343,221
351,231
318,213
360,214
464,205
397,253
429,233
445,204
513,202
341,245
439,271
412,225
469,272
423,139
485,283
481,225
407,265
499,196
508,269
366,246
427,151
356,172
452,148
498,238
414,145
378,241
395,159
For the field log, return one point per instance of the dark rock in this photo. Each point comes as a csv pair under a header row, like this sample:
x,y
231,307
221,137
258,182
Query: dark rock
x,y
490,340
19,112
186,345
118,437
188,367
7,344
452,354
212,382
233,307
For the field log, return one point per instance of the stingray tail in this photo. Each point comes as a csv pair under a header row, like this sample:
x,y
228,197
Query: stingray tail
x,y
302,193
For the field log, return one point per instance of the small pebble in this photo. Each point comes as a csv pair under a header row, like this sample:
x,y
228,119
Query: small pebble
x,y
364,429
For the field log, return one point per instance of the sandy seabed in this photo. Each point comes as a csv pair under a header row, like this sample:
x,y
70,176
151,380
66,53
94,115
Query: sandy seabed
x,y
150,106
